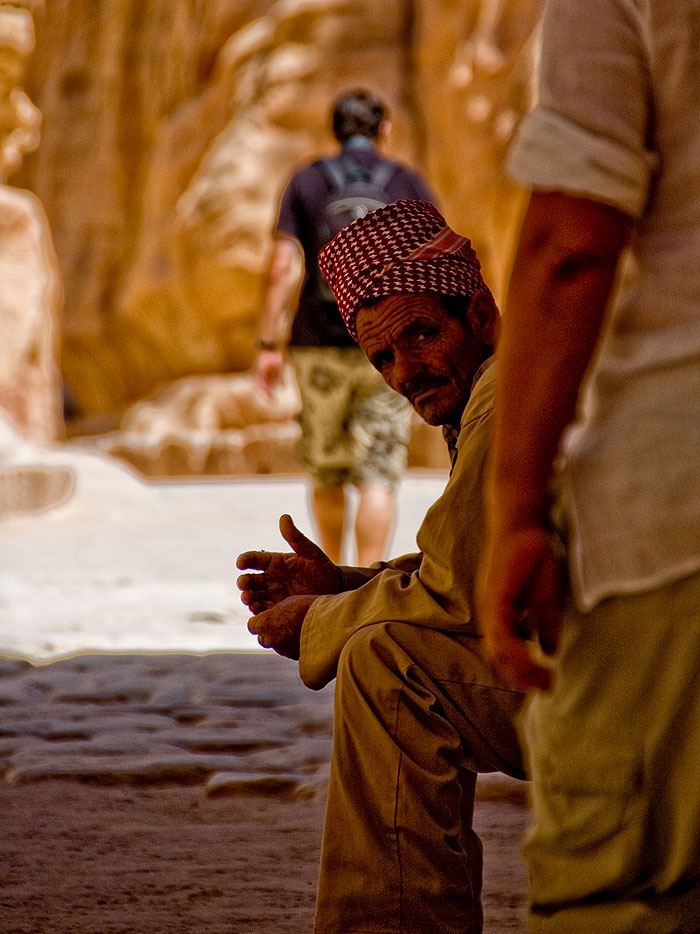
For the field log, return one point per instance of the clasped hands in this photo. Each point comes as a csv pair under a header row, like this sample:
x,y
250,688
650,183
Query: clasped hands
x,y
280,594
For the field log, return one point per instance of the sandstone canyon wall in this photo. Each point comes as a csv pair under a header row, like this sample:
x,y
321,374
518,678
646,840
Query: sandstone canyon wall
x,y
30,286
170,128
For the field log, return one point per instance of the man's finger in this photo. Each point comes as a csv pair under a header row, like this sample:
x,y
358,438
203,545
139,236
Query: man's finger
x,y
248,596
262,584
545,601
251,582
258,623
549,629
525,674
256,602
297,541
254,560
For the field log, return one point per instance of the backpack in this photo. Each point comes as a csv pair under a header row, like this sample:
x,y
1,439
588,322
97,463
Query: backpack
x,y
355,192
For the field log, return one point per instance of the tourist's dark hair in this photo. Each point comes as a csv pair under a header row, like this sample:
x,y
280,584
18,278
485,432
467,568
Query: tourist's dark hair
x,y
357,113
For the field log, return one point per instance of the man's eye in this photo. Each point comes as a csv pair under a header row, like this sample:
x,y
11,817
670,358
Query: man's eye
x,y
426,334
382,360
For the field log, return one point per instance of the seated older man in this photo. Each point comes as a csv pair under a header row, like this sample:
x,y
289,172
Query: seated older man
x,y
419,710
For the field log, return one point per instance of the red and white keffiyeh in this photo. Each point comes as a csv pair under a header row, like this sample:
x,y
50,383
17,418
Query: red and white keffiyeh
x,y
403,248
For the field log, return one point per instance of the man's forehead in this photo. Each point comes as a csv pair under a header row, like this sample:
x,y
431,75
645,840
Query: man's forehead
x,y
385,315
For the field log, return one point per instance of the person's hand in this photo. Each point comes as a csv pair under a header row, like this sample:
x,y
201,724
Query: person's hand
x,y
520,599
280,627
268,369
306,570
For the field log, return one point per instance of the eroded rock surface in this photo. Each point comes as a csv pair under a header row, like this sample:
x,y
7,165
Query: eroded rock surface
x,y
171,128
209,425
30,285
223,425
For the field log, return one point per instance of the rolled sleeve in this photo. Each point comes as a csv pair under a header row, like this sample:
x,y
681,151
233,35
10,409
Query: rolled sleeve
x,y
588,133
553,154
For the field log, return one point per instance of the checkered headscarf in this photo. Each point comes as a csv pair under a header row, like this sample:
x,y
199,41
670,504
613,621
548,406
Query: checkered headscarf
x,y
405,247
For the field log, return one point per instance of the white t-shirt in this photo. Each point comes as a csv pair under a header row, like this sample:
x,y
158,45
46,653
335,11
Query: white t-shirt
x,y
618,120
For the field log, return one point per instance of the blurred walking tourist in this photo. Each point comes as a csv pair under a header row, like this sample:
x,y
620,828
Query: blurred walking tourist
x,y
354,428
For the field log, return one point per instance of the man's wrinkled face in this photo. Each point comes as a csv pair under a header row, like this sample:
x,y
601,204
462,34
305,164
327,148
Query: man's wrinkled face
x,y
426,354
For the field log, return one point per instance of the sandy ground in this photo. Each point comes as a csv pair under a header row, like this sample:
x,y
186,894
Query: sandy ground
x,y
130,566
159,774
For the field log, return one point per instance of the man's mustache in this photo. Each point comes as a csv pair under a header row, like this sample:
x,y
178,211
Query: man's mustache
x,y
419,384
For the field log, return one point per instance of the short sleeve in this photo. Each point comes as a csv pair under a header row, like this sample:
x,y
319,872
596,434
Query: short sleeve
x,y
288,217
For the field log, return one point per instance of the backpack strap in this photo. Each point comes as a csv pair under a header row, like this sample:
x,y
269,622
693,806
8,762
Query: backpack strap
x,y
353,171
341,171
383,174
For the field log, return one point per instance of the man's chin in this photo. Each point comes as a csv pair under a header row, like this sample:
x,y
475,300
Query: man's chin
x,y
432,414
440,411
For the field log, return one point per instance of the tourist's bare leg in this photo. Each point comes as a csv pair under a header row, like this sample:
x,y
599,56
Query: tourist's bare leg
x,y
374,523
328,506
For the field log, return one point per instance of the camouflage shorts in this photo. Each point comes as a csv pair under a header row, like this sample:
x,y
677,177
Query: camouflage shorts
x,y
354,429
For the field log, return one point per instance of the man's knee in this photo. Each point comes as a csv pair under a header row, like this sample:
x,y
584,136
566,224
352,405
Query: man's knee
x,y
366,647
384,658
370,661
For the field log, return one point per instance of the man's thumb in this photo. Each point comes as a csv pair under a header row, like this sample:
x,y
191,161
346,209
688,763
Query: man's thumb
x,y
297,541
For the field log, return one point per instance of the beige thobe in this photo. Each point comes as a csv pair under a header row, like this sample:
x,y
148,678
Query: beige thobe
x,y
419,711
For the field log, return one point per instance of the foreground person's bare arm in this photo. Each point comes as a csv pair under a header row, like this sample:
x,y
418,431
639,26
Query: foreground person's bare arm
x,y
561,283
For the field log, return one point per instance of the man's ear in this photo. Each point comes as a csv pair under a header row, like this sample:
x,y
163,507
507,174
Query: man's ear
x,y
484,318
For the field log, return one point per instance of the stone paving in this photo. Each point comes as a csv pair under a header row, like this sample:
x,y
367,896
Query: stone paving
x,y
229,722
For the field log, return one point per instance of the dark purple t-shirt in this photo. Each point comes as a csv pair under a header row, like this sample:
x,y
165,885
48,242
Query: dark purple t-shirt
x,y
317,323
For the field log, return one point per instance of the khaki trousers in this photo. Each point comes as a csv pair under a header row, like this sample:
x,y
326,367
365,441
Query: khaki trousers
x,y
614,754
417,714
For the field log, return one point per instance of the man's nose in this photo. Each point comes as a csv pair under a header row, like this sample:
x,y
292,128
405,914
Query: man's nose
x,y
405,368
